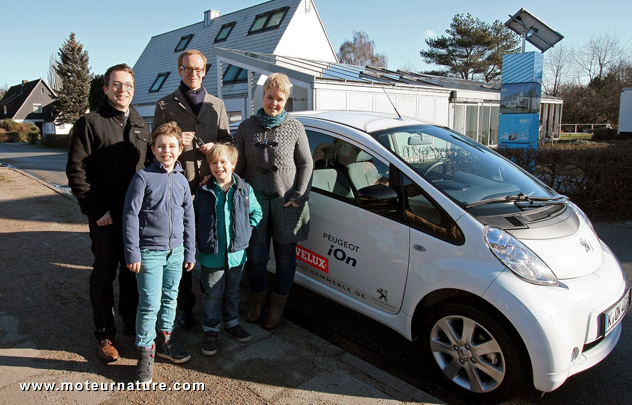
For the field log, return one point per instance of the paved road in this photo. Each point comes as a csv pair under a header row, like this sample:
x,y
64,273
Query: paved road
x,y
43,163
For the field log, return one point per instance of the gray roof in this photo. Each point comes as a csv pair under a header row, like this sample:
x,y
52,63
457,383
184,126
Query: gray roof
x,y
159,56
312,69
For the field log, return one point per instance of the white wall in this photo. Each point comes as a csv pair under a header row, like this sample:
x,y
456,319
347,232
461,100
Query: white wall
x,y
305,36
424,104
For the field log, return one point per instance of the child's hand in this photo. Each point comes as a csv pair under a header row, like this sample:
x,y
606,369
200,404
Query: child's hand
x,y
188,266
134,267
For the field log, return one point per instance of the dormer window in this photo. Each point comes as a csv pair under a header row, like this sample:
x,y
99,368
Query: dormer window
x,y
268,21
160,80
224,32
184,42
235,74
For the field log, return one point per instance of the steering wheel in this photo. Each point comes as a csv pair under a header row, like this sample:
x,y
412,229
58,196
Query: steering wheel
x,y
432,173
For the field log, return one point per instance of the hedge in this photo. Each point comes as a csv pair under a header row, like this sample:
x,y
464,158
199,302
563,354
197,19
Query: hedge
x,y
596,176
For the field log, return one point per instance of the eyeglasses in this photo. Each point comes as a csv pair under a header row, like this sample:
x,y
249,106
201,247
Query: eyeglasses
x,y
189,69
266,143
117,85
272,169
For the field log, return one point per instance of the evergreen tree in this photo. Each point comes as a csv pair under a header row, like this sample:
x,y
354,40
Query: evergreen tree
x,y
472,49
96,92
74,72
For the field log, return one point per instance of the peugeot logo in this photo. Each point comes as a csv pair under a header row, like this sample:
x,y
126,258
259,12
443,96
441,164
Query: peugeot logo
x,y
585,244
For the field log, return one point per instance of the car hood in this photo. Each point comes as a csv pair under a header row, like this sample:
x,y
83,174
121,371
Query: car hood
x,y
569,256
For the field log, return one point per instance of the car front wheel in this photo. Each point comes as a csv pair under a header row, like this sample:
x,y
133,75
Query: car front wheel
x,y
476,352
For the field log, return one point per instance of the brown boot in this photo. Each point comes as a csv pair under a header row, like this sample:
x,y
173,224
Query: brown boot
x,y
277,303
257,301
106,351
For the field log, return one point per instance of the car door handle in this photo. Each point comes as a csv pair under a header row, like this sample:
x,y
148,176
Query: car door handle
x,y
419,247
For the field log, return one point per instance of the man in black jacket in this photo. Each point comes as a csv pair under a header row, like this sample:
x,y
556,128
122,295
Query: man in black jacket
x,y
107,147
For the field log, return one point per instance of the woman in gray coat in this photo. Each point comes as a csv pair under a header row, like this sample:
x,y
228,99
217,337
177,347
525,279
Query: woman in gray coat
x,y
275,159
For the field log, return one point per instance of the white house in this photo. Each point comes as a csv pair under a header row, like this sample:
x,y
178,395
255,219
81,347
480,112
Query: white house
x,y
288,36
281,27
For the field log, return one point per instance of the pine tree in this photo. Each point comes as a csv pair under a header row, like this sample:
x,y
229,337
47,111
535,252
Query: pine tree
x,y
472,49
74,72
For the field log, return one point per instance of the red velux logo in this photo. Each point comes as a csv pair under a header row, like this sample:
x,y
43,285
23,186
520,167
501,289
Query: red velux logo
x,y
311,258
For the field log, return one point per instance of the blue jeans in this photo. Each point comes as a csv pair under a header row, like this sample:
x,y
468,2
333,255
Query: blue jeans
x,y
285,256
221,297
158,281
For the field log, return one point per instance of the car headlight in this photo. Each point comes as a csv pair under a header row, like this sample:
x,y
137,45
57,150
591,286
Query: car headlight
x,y
518,258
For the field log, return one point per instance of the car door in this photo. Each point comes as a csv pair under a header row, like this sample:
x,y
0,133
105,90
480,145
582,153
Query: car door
x,y
353,255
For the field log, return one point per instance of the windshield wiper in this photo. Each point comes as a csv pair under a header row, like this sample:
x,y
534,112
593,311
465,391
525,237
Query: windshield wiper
x,y
518,198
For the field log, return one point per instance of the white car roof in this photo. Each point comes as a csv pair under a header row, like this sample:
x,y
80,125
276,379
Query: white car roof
x,y
365,121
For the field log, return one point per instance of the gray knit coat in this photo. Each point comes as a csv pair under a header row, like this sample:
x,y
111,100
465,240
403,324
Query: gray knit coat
x,y
290,181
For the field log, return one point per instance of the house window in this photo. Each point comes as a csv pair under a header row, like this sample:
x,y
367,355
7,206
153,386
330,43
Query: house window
x,y
160,80
184,42
224,32
268,21
37,108
235,74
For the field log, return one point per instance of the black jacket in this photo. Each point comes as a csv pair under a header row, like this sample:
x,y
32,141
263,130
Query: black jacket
x,y
104,154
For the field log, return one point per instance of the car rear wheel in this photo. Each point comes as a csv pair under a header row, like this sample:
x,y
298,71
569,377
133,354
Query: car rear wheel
x,y
476,352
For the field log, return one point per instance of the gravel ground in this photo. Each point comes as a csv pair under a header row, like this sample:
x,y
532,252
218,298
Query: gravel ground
x,y
46,329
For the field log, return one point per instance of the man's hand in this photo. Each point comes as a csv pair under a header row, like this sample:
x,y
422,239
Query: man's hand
x,y
106,219
206,147
189,266
134,267
204,180
187,138
291,203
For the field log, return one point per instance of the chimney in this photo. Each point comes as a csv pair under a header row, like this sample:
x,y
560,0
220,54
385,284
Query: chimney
x,y
210,15
24,81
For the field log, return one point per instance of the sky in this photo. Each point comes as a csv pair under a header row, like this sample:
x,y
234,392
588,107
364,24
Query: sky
x,y
117,31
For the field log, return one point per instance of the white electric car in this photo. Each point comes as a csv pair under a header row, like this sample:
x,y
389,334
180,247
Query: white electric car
x,y
502,279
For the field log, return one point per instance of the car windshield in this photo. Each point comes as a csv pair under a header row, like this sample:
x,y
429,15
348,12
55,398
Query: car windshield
x,y
470,173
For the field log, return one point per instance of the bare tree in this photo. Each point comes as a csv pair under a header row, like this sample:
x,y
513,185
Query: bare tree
x,y
3,90
361,52
54,81
598,55
558,63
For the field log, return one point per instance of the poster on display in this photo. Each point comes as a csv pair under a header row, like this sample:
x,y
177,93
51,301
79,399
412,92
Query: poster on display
x,y
520,98
519,130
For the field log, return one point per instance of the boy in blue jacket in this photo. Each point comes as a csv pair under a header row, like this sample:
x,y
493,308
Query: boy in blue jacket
x,y
159,236
227,211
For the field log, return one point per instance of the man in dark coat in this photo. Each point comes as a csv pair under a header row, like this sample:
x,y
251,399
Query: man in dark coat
x,y
201,116
107,147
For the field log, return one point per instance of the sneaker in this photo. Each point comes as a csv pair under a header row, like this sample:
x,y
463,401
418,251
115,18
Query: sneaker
x,y
209,346
238,333
145,366
106,351
173,352
185,319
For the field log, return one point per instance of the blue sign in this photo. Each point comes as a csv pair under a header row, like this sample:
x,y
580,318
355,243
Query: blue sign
x,y
519,130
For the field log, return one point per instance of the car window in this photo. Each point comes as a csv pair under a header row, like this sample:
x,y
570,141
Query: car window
x,y
426,216
461,168
341,168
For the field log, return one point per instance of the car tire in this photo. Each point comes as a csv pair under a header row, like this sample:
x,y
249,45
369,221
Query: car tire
x,y
478,352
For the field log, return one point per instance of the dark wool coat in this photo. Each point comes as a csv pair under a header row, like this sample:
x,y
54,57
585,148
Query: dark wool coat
x,y
210,125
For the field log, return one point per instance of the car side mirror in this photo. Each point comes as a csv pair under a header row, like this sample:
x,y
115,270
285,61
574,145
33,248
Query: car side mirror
x,y
378,198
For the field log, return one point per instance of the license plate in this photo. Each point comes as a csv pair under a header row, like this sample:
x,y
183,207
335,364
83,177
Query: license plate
x,y
615,314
